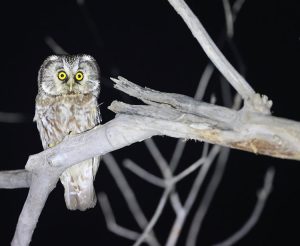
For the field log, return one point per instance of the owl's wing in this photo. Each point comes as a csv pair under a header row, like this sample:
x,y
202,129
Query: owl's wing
x,y
43,124
57,118
78,183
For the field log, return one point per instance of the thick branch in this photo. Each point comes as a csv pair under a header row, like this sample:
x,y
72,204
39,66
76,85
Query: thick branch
x,y
172,115
176,116
183,117
167,114
42,184
212,51
253,101
15,179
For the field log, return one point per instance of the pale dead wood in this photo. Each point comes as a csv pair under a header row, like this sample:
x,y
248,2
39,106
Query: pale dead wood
x,y
172,115
250,129
246,130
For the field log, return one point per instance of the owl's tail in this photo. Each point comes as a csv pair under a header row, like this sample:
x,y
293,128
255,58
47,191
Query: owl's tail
x,y
78,183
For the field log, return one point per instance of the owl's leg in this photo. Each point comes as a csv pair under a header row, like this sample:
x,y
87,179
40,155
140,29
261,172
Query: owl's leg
x,y
50,145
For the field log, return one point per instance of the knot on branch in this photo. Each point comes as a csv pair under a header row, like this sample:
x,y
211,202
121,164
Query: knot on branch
x,y
33,162
259,103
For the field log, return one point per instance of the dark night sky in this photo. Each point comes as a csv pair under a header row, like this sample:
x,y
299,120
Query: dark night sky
x,y
148,43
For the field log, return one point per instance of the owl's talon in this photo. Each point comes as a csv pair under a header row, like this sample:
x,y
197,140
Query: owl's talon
x,y
51,145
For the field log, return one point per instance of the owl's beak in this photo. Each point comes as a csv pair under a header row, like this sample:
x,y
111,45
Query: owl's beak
x,y
70,83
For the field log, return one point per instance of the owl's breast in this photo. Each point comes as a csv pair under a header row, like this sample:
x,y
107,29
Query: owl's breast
x,y
64,115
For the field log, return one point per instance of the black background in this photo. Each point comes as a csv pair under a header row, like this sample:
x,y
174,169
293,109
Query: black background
x,y
148,43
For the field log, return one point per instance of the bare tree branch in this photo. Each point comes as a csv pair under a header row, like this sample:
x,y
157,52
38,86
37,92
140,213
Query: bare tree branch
x,y
15,179
142,173
176,116
262,197
228,18
200,91
246,130
129,196
89,21
181,217
177,154
250,129
111,221
252,101
202,85
54,46
155,217
238,4
166,172
42,184
6,117
207,198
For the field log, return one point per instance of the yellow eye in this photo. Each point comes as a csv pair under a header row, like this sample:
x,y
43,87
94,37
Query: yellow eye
x,y
79,76
62,75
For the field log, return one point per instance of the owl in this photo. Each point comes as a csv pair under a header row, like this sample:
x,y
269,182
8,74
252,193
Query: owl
x,y
66,104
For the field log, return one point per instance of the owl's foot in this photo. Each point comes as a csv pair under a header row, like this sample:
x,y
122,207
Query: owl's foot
x,y
52,144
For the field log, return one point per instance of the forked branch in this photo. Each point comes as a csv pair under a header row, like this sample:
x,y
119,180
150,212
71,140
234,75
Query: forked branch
x,y
167,114
250,129
252,101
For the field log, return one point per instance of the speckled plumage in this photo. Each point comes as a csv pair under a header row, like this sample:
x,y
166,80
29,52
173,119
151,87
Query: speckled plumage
x,y
70,107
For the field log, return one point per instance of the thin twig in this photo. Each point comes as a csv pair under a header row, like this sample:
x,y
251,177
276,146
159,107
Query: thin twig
x,y
177,154
202,85
176,228
210,191
111,221
228,18
54,46
143,174
181,216
200,91
252,101
125,189
15,179
215,55
188,170
204,80
90,22
262,197
238,4
155,217
200,178
166,172
128,194
226,93
159,159
149,177
6,117
200,214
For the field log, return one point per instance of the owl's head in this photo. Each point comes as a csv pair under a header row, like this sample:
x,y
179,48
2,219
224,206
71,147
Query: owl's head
x,y
69,74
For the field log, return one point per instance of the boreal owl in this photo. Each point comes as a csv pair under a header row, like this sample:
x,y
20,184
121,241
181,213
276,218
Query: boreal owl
x,y
66,103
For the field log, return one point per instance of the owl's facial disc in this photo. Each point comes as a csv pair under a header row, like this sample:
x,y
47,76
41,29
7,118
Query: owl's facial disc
x,y
65,75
